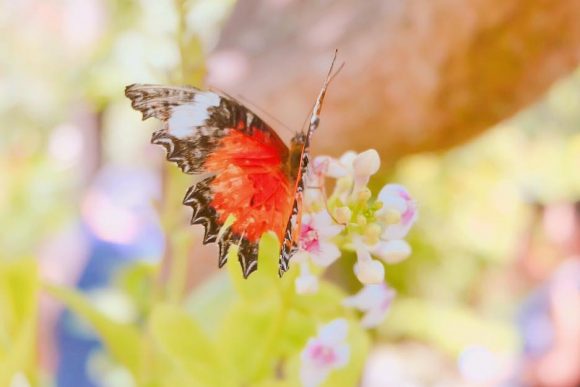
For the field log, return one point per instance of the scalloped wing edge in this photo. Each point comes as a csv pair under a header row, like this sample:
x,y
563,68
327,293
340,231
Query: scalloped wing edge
x,y
199,197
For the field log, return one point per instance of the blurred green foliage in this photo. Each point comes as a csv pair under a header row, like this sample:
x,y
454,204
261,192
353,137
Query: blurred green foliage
x,y
230,332
473,205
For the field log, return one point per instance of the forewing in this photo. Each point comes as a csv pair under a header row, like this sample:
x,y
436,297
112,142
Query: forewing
x,y
205,133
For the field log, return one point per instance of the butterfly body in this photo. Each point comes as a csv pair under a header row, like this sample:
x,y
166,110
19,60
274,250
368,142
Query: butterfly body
x,y
252,182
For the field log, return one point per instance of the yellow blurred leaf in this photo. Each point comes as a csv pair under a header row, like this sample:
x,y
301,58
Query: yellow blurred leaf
x,y
18,319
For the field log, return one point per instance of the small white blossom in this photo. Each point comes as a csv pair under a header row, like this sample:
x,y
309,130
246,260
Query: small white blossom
x,y
315,234
396,198
375,301
324,353
315,246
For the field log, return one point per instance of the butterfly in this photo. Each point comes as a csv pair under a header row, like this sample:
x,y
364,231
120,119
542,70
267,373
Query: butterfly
x,y
251,182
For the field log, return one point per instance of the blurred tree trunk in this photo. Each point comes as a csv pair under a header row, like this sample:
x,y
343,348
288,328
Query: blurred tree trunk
x,y
419,75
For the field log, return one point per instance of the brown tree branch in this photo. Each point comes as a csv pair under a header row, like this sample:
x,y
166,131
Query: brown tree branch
x,y
420,74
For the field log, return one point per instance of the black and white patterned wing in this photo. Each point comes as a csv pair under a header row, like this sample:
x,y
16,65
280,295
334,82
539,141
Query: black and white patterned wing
x,y
206,133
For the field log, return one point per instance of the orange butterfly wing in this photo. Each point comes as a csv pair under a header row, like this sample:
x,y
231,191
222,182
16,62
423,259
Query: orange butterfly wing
x,y
250,178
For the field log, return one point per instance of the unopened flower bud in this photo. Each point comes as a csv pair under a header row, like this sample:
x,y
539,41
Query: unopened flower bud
x,y
366,269
392,251
348,158
364,194
369,271
361,220
367,163
342,214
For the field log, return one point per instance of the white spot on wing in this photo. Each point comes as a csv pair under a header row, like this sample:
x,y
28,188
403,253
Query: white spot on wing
x,y
185,118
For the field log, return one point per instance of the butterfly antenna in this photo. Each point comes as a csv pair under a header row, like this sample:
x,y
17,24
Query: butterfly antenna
x,y
314,117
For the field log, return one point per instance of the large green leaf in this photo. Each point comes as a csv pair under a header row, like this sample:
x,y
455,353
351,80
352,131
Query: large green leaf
x,y
265,280
323,304
249,337
186,347
297,328
122,340
210,301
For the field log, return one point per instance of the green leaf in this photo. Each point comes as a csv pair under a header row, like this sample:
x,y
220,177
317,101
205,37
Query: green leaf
x,y
249,338
263,281
298,327
137,280
209,302
323,304
186,347
122,340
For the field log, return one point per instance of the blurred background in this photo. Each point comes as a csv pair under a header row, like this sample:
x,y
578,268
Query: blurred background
x,y
474,105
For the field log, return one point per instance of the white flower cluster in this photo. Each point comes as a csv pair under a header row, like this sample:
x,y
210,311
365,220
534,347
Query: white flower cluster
x,y
349,219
